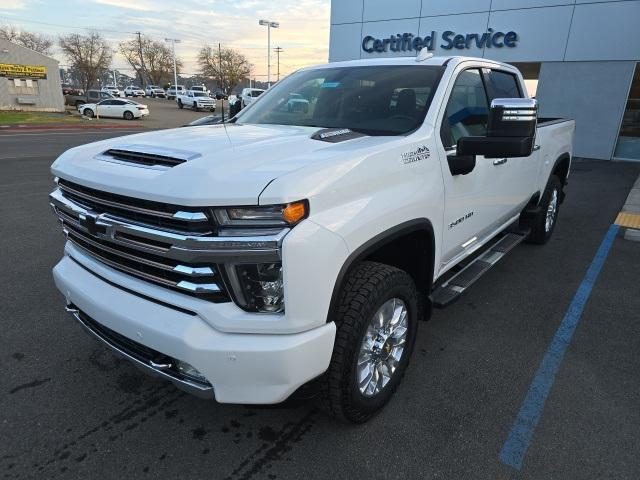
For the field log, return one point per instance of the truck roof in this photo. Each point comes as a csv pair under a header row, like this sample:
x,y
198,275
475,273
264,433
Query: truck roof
x,y
408,60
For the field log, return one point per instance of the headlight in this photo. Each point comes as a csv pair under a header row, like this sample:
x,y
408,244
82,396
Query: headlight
x,y
259,287
260,220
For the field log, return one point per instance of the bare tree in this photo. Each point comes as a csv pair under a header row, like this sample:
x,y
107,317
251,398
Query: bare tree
x,y
228,67
89,54
35,41
157,59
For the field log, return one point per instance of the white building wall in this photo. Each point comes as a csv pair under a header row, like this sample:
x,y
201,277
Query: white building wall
x,y
588,49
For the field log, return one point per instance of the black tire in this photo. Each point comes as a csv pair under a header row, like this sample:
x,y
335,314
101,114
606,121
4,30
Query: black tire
x,y
541,231
128,115
180,105
195,107
212,110
87,112
366,289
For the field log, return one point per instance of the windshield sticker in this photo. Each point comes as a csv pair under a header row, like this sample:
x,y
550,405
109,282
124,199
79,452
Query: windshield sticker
x,y
417,155
330,85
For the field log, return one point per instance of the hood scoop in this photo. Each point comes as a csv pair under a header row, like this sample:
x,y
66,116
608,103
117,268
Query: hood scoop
x,y
148,156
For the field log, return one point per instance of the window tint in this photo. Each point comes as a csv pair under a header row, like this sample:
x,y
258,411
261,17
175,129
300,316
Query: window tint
x,y
502,85
467,111
118,102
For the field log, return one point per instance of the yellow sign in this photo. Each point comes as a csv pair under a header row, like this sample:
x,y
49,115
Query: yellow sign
x,y
12,70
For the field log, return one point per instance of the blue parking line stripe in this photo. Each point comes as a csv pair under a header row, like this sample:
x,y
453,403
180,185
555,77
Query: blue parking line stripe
x,y
515,448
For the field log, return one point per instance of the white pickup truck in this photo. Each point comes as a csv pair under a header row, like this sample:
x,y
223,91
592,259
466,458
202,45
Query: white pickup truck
x,y
197,100
290,247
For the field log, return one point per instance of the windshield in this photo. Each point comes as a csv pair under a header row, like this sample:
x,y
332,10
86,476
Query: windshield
x,y
200,94
376,100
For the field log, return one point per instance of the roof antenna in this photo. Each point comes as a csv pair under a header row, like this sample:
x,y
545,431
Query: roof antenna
x,y
423,54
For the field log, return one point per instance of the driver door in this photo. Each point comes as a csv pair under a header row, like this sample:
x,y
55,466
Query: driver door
x,y
470,211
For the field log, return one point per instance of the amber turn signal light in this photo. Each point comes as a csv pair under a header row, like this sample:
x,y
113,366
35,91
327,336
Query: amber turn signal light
x,y
294,212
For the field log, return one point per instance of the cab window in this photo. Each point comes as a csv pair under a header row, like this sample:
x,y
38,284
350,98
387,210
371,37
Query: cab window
x,y
467,111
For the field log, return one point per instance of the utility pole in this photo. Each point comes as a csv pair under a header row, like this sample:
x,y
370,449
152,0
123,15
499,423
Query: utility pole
x,y
175,70
278,50
143,69
221,80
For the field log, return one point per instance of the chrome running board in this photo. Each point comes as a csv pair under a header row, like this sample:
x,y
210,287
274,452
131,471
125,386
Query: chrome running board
x,y
449,291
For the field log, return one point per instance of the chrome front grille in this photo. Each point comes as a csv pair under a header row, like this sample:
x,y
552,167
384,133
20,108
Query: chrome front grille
x,y
175,247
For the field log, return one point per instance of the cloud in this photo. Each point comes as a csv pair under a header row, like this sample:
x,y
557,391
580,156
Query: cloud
x,y
13,5
128,4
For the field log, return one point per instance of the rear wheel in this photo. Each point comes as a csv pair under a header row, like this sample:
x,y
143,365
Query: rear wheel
x,y
543,224
128,115
87,112
376,321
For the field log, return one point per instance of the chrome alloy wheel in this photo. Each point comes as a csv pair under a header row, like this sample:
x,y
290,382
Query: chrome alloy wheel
x,y
552,210
382,347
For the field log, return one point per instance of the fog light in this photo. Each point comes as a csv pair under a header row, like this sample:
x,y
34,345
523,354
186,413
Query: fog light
x,y
262,286
190,371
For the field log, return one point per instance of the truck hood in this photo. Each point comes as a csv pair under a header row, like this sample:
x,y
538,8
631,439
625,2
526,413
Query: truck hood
x,y
222,165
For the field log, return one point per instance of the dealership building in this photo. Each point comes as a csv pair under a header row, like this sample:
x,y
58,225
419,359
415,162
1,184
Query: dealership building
x,y
580,58
28,80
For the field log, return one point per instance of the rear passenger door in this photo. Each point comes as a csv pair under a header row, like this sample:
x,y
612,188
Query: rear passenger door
x,y
517,175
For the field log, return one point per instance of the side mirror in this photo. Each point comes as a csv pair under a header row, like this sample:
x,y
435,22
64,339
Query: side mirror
x,y
511,130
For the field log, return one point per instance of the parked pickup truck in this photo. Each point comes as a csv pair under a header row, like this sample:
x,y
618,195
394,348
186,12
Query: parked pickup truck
x,y
91,96
301,247
196,100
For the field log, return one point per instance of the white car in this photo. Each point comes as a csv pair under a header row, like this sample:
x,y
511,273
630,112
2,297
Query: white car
x,y
196,100
114,108
200,88
248,95
155,91
112,89
133,91
244,261
173,90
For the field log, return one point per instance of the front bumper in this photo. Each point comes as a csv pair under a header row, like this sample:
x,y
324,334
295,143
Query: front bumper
x,y
241,367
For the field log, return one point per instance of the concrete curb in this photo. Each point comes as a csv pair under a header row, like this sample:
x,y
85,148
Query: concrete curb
x,y
20,128
632,205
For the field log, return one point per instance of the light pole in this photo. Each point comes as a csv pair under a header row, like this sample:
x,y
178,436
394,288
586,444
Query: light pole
x,y
175,70
251,65
269,24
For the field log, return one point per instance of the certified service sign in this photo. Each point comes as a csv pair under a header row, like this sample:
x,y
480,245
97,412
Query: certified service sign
x,y
13,70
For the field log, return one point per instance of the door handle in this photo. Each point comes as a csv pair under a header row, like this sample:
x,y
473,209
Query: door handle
x,y
536,148
502,161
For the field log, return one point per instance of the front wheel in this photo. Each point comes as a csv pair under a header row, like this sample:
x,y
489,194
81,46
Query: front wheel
x,y
543,224
88,113
377,321
195,107
180,105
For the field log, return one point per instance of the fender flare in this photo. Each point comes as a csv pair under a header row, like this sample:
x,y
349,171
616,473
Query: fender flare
x,y
377,242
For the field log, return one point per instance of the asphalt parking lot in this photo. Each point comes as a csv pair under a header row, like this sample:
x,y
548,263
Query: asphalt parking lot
x,y
71,410
164,113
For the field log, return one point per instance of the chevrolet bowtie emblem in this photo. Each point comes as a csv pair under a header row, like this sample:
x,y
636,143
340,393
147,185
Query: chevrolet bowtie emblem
x,y
88,221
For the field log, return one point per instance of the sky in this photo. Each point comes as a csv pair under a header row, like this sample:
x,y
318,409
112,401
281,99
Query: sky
x,y
303,33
